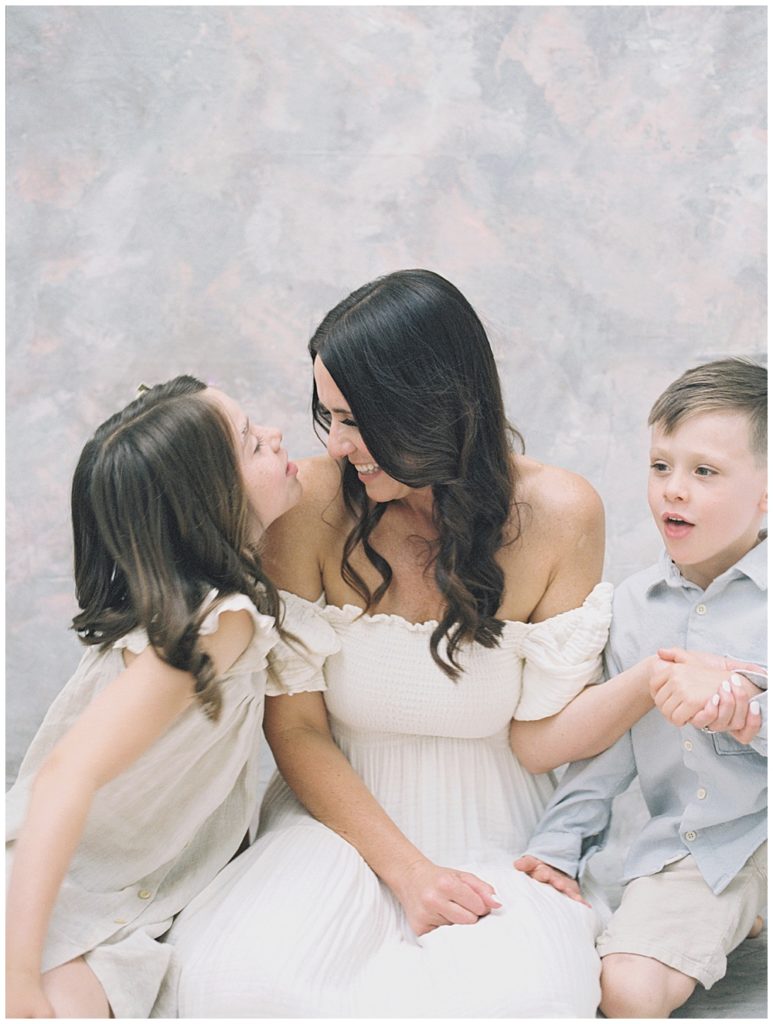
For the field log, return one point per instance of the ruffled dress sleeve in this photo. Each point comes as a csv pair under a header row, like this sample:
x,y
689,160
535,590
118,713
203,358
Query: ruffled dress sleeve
x,y
263,639
296,663
562,655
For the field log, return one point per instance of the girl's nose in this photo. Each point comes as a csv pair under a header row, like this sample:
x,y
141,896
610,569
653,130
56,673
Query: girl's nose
x,y
274,436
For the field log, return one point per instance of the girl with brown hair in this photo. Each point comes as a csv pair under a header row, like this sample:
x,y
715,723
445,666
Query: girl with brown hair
x,y
142,780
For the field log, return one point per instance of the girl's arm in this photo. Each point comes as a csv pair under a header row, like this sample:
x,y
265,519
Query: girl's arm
x,y
296,727
122,722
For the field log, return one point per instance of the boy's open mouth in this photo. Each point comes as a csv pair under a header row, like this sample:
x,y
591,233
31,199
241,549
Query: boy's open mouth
x,y
676,526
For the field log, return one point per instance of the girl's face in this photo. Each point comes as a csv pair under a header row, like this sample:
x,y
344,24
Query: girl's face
x,y
344,440
270,479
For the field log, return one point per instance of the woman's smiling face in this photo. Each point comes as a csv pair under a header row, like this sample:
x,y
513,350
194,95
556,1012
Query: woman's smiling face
x,y
345,442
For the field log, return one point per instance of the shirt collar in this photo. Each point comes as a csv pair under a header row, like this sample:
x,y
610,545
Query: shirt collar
x,y
754,564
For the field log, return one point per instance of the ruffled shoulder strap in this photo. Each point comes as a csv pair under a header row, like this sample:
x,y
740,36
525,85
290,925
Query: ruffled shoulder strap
x,y
562,655
296,662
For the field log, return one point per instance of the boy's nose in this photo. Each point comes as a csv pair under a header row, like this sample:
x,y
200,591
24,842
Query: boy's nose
x,y
675,487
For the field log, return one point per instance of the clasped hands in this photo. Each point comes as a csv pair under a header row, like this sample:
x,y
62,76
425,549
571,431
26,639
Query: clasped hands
x,y
703,690
689,688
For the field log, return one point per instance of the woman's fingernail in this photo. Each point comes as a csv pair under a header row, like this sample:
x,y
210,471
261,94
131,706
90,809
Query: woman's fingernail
x,y
735,680
754,707
726,686
715,699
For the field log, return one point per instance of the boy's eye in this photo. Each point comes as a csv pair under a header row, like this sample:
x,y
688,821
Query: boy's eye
x,y
258,443
705,471
659,467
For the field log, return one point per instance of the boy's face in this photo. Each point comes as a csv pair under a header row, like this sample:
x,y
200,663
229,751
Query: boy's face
x,y
707,492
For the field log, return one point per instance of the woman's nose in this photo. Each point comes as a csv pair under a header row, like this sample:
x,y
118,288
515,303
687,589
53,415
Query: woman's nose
x,y
338,444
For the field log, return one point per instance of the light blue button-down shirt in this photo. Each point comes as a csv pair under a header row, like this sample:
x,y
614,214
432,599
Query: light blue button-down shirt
x,y
706,793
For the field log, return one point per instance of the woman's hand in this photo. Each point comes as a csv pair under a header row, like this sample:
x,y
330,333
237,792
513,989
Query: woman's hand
x,y
432,896
24,996
687,676
730,706
546,873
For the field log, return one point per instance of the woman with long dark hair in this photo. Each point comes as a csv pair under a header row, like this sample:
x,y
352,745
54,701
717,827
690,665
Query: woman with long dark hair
x,y
461,582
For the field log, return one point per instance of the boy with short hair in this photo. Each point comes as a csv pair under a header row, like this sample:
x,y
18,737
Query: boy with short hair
x,y
696,874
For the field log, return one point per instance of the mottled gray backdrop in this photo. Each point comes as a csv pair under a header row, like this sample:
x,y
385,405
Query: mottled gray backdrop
x,y
192,188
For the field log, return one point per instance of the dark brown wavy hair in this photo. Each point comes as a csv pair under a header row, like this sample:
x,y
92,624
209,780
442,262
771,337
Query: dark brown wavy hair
x,y
412,359
160,518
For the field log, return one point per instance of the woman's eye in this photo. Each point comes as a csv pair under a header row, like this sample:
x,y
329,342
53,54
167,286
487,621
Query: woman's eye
x,y
349,423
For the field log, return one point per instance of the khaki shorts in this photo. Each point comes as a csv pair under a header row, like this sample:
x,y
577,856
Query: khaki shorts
x,y
673,916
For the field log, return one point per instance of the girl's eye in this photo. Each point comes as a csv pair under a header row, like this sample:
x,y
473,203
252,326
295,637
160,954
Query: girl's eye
x,y
705,471
659,467
258,443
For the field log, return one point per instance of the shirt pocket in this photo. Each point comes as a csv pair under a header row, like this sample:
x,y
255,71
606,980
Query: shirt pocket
x,y
724,744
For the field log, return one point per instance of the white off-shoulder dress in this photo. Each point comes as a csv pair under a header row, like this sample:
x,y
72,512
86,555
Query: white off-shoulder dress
x,y
158,833
299,926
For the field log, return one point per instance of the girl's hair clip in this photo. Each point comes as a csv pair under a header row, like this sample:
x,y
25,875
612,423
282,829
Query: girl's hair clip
x,y
142,388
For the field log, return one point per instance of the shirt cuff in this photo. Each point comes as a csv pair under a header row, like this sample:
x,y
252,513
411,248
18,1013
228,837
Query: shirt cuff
x,y
561,850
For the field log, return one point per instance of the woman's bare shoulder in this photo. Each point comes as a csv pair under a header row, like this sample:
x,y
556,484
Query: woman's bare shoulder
x,y
558,500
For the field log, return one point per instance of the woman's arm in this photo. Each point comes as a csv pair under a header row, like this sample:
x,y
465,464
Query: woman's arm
x,y
296,727
571,517
297,730
122,721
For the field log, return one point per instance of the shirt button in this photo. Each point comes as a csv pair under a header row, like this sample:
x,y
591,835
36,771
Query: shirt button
x,y
144,894
701,794
700,609
690,836
688,744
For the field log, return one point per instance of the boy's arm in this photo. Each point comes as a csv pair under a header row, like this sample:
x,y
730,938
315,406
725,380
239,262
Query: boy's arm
x,y
575,824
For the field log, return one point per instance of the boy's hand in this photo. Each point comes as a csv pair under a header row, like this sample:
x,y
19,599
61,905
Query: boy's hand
x,y
705,660
725,708
542,872
731,708
681,690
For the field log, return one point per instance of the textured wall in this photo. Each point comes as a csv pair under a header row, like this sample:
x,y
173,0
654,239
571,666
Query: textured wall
x,y
191,188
